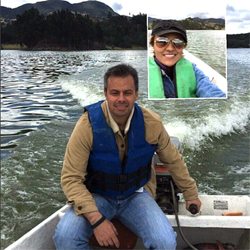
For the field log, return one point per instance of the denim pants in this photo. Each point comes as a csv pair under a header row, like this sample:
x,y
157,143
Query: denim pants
x,y
139,212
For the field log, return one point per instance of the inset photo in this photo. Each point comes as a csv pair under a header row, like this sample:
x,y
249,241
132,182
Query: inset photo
x,y
187,51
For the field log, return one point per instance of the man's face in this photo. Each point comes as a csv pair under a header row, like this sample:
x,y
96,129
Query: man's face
x,y
121,96
168,55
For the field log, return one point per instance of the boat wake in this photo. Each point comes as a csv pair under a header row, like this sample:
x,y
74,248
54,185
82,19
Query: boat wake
x,y
195,133
193,130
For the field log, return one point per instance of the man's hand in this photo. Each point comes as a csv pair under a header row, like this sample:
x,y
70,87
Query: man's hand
x,y
105,233
197,202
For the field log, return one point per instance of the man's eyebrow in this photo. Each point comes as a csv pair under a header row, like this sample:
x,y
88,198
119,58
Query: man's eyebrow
x,y
125,90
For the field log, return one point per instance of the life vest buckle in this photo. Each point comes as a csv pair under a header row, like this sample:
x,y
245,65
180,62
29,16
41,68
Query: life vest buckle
x,y
122,178
122,187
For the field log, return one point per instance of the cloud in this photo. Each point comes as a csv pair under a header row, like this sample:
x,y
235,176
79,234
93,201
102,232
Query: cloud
x,y
246,16
117,7
191,8
200,15
234,20
243,14
237,19
230,9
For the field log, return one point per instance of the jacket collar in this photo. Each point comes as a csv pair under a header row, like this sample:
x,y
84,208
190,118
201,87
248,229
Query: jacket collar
x,y
113,123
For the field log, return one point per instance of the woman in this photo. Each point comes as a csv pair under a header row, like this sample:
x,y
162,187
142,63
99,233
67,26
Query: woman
x,y
170,74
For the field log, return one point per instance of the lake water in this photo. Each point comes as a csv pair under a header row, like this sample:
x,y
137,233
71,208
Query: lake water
x,y
43,94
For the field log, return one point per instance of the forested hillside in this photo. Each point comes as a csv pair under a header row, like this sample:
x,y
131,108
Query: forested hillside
x,y
72,31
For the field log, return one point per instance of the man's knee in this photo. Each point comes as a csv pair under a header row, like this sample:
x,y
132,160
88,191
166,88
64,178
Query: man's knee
x,y
170,239
160,241
165,243
65,240
63,236
61,240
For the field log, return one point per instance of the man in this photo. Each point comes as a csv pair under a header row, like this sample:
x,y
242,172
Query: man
x,y
170,74
107,170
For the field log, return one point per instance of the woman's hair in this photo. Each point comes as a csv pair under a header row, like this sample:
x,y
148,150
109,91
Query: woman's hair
x,y
151,41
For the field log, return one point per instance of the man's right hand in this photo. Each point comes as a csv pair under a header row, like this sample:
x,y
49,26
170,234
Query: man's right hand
x,y
105,233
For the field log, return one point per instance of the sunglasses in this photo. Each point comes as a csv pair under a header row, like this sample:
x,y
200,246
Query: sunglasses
x,y
162,42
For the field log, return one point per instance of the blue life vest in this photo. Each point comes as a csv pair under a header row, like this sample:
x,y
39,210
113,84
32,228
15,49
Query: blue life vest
x,y
107,175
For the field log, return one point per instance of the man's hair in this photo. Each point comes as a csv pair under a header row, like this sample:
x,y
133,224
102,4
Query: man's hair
x,y
121,70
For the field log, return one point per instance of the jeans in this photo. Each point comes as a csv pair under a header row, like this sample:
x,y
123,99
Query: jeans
x,y
139,212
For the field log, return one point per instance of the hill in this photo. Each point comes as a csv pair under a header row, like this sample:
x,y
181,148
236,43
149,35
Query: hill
x,y
196,23
67,30
94,9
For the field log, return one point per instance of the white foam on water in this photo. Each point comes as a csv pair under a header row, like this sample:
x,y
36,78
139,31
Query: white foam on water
x,y
234,118
237,170
84,93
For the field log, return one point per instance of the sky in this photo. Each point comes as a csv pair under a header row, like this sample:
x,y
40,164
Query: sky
x,y
238,16
236,12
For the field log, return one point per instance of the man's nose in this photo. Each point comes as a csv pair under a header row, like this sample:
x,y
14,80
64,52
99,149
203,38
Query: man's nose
x,y
121,97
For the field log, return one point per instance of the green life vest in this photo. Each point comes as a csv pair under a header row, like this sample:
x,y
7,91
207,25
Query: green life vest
x,y
185,79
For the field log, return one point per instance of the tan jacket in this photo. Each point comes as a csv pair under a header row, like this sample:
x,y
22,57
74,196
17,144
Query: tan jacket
x,y
79,147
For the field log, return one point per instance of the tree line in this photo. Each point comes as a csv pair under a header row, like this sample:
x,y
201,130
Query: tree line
x,y
198,24
238,41
72,31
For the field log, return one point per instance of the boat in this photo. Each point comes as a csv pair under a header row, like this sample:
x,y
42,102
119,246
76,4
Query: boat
x,y
213,75
207,227
223,219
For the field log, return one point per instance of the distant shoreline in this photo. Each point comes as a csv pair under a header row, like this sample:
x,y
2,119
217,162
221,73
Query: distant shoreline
x,y
239,48
12,47
19,47
238,41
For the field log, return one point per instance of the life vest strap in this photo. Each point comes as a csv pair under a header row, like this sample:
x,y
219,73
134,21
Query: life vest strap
x,y
119,187
121,182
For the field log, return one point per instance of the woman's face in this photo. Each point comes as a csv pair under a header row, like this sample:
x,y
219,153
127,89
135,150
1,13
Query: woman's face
x,y
168,55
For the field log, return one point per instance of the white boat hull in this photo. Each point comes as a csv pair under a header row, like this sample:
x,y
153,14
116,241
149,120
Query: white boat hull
x,y
213,75
206,227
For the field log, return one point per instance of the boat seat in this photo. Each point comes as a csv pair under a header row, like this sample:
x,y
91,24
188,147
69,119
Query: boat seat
x,y
125,236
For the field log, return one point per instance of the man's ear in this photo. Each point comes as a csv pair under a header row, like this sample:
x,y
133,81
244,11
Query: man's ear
x,y
136,95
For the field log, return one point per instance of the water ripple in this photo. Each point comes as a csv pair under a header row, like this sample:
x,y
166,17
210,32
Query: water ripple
x,y
31,94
